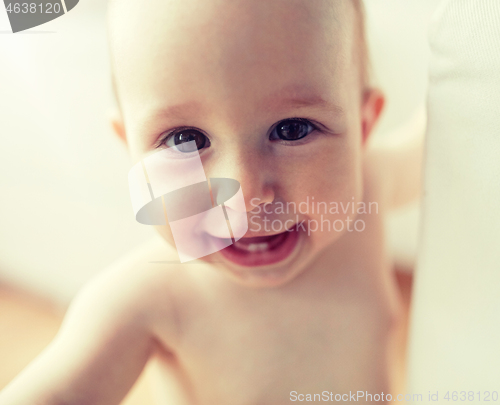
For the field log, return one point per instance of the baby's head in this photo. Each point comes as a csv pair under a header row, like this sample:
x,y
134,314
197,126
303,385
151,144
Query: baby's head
x,y
274,93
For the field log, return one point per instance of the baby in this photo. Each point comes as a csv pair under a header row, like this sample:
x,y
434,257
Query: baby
x,y
275,95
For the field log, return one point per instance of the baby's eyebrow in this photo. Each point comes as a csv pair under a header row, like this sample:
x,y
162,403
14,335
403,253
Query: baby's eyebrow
x,y
181,110
302,102
295,97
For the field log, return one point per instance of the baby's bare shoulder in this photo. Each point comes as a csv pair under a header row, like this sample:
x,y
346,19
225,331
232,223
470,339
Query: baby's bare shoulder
x,y
135,290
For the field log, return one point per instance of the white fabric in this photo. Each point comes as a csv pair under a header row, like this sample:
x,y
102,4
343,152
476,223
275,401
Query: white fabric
x,y
455,327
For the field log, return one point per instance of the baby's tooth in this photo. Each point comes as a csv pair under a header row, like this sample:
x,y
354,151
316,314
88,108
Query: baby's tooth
x,y
257,247
252,247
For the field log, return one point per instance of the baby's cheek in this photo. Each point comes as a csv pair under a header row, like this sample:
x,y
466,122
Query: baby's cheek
x,y
333,209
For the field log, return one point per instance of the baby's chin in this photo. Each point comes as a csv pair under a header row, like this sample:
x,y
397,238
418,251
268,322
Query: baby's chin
x,y
264,261
271,260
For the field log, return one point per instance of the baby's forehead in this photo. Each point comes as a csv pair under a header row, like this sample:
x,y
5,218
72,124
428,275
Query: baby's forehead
x,y
163,15
245,9
196,21
225,40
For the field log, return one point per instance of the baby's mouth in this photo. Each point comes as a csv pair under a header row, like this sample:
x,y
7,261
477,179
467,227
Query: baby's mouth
x,y
262,250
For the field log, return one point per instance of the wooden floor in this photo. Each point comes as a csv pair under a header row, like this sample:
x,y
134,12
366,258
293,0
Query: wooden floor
x,y
27,325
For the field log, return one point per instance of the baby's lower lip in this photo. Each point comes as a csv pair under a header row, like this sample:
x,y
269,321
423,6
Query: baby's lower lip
x,y
262,251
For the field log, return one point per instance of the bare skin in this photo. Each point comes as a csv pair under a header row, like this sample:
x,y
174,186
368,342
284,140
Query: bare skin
x,y
220,333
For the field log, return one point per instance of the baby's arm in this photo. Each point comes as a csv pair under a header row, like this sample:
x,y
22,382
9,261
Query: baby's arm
x,y
100,350
398,157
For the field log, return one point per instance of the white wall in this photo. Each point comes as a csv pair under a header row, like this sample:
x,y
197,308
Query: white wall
x,y
64,208
397,34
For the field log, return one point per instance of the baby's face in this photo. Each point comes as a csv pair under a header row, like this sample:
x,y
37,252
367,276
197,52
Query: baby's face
x,y
270,92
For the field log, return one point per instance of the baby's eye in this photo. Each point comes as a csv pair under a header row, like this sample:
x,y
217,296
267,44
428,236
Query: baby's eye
x,y
292,130
178,140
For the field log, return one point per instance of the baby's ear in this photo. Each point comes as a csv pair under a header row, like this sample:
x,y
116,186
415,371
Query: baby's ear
x,y
373,104
116,120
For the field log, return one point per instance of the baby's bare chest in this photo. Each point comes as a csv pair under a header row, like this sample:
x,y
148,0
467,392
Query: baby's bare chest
x,y
262,351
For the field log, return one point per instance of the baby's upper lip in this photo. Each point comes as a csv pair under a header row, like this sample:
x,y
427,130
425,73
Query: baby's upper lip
x,y
260,236
249,236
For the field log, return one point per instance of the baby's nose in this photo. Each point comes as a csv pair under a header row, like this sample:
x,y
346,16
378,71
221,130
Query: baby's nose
x,y
254,174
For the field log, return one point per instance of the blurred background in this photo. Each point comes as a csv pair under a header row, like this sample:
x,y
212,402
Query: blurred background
x,y
65,212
